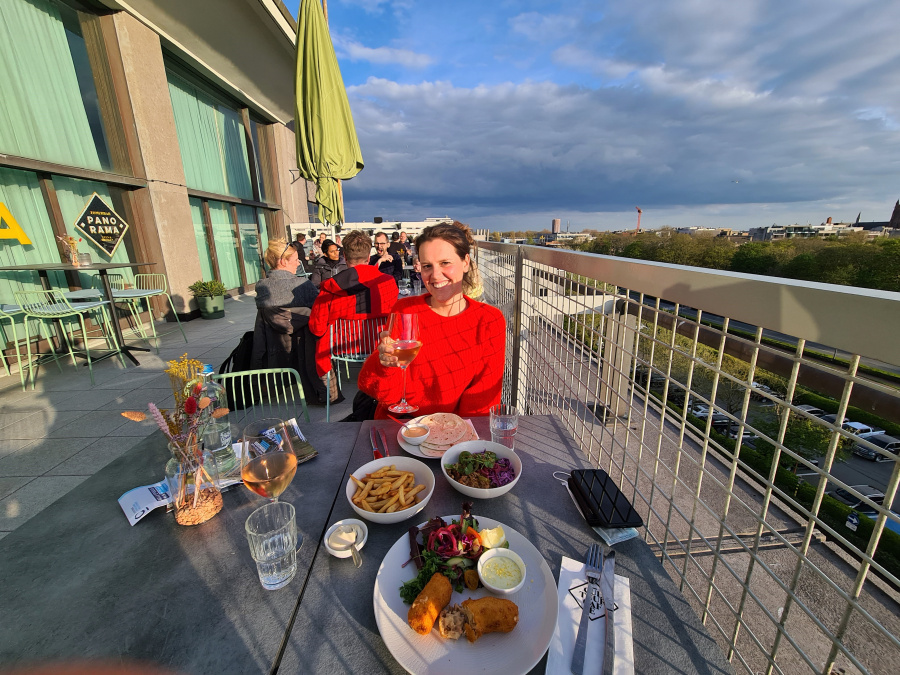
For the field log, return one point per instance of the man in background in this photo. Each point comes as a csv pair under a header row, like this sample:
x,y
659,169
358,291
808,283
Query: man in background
x,y
384,261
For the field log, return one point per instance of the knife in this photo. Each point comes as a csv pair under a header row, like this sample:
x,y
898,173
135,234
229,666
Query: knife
x,y
374,438
384,443
609,603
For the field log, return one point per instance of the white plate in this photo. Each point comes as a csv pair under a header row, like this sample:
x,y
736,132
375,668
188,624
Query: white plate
x,y
507,653
416,450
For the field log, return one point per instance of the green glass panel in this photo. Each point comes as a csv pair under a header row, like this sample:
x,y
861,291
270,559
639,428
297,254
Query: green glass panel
x,y
42,115
20,192
74,195
247,222
256,131
211,139
263,230
226,245
200,235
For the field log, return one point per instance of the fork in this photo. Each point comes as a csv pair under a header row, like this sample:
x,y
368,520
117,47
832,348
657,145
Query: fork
x,y
592,566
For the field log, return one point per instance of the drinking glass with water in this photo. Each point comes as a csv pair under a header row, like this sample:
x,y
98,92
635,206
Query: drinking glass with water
x,y
504,424
274,540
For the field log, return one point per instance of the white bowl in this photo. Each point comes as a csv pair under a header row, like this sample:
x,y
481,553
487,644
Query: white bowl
x,y
359,544
452,457
422,474
501,553
415,440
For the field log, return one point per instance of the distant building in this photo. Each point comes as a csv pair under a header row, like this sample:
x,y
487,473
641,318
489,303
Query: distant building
x,y
826,229
555,226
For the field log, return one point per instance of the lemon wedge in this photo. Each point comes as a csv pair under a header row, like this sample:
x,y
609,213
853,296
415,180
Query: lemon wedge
x,y
493,538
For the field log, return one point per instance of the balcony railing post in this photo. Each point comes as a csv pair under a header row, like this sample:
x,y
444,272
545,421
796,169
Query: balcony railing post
x,y
518,313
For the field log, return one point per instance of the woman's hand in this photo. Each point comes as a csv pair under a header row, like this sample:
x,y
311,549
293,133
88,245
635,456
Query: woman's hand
x,y
386,351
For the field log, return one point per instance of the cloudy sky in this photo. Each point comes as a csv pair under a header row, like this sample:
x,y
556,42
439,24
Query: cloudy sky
x,y
506,114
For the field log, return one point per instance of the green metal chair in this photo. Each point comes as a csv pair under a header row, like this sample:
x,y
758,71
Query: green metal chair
x,y
352,341
9,313
49,306
269,392
147,286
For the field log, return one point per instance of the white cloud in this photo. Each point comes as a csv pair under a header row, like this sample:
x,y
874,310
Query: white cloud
x,y
379,55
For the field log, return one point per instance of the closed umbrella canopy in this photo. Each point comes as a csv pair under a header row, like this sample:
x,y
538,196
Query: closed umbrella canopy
x,y
327,148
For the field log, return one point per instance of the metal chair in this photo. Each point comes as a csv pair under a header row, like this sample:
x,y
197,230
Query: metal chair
x,y
10,312
53,306
274,391
352,341
147,286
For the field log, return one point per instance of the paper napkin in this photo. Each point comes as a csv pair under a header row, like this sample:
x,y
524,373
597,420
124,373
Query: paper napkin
x,y
571,589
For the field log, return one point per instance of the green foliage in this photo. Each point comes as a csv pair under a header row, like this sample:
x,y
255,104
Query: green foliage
x,y
829,405
849,261
207,289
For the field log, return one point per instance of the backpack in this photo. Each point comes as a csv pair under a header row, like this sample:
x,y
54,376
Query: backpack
x,y
237,362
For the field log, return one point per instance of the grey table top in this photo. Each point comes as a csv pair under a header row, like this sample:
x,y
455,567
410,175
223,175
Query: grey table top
x,y
335,629
80,582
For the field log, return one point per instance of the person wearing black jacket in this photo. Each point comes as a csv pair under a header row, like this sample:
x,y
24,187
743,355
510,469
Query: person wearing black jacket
x,y
331,262
384,261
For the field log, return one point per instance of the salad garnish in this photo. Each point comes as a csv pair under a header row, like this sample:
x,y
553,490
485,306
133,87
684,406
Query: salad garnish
x,y
481,470
448,549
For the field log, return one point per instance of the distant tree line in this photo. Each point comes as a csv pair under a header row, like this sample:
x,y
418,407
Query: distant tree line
x,y
850,261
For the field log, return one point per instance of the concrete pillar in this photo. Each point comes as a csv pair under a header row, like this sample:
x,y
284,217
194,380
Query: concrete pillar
x,y
294,190
164,204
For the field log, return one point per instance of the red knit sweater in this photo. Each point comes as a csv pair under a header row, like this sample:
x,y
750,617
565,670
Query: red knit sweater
x,y
459,368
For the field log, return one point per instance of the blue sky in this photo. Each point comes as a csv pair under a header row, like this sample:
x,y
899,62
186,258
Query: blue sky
x,y
507,114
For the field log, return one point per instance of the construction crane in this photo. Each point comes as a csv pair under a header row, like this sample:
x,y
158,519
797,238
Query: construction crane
x,y
638,228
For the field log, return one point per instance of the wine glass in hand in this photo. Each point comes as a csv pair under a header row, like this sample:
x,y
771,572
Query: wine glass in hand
x,y
404,332
268,461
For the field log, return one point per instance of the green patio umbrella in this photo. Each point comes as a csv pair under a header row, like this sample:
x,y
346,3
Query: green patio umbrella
x,y
327,148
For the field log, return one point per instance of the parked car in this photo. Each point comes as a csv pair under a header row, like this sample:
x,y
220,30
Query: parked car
x,y
746,438
701,411
881,441
832,419
889,523
859,429
856,503
811,410
757,390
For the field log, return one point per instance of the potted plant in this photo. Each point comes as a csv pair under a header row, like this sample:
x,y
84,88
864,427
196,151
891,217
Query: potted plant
x,y
210,296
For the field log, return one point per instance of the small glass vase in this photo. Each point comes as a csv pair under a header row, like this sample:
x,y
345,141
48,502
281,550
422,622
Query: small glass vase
x,y
188,468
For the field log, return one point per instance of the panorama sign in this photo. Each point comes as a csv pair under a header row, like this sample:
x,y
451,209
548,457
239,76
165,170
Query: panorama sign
x,y
103,226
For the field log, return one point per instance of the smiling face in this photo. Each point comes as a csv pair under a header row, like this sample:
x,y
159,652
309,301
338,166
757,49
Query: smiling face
x,y
333,252
442,270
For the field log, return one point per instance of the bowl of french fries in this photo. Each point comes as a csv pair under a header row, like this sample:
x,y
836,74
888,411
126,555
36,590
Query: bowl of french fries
x,y
390,490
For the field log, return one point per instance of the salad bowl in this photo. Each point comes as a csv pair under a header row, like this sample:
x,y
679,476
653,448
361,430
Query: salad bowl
x,y
474,447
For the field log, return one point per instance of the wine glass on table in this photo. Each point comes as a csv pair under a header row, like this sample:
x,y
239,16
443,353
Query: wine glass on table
x,y
268,461
404,331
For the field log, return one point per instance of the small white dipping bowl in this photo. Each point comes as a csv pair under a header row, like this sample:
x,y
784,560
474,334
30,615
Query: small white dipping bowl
x,y
489,555
422,474
414,440
452,457
360,542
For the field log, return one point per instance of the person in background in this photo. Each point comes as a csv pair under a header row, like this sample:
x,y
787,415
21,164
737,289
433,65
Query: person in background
x,y
337,240
282,287
396,249
383,260
331,262
317,247
407,247
358,292
459,368
300,245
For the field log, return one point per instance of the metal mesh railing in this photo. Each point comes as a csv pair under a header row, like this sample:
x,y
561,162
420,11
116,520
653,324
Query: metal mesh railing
x,y
706,395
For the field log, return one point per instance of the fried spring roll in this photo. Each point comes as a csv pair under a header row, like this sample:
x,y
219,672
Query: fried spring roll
x,y
428,604
489,615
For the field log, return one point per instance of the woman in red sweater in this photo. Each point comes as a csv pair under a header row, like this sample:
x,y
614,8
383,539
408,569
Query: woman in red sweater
x,y
460,366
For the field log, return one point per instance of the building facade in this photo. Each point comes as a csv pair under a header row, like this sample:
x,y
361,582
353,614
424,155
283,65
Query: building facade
x,y
176,114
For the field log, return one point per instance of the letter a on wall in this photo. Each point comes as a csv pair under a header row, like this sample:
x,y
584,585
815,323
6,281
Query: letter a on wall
x,y
9,228
103,226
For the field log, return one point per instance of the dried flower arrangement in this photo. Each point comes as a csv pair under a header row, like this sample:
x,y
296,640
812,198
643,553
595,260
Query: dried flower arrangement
x,y
184,426
71,250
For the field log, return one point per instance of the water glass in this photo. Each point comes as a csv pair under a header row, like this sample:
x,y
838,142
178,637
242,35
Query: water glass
x,y
274,540
84,259
417,286
504,424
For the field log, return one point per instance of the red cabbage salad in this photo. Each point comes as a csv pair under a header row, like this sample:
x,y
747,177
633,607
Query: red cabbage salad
x,y
481,470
